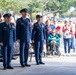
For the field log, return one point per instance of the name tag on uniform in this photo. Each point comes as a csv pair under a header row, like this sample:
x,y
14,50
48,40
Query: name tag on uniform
x,y
5,28
22,24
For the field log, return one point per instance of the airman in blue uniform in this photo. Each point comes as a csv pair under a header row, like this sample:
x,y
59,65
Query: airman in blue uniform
x,y
38,36
7,39
23,35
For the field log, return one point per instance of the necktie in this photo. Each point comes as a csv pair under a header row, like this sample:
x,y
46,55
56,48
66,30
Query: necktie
x,y
9,26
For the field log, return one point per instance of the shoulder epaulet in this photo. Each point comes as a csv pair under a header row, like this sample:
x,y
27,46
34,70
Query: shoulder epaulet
x,y
42,23
12,23
28,19
35,23
19,18
2,22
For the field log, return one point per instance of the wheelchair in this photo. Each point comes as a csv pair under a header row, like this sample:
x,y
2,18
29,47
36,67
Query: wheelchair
x,y
55,52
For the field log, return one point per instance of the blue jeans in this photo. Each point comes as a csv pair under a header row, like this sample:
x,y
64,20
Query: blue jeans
x,y
73,42
67,41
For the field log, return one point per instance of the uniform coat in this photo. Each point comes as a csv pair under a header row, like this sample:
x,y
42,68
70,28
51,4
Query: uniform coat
x,y
23,33
38,35
7,37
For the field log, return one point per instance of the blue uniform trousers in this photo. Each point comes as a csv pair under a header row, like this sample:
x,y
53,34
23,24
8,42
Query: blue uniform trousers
x,y
24,49
38,45
7,52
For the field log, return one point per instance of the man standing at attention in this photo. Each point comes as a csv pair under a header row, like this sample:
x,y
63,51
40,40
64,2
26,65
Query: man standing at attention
x,y
7,39
23,35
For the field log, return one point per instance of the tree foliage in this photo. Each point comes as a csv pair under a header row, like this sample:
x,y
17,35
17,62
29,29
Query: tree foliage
x,y
55,6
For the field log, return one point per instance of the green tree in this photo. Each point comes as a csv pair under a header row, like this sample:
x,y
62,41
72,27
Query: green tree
x,y
58,6
35,6
14,5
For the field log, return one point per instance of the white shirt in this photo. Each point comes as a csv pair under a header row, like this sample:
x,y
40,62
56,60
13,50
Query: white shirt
x,y
66,33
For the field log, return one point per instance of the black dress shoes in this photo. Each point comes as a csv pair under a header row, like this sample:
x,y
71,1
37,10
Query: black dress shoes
x,y
42,63
22,65
10,67
37,63
27,65
4,68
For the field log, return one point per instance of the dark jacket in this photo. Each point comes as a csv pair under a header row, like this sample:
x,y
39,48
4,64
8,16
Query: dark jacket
x,y
23,32
38,32
7,35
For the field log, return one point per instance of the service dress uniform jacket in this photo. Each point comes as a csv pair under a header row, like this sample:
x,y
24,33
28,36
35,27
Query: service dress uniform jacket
x,y
38,35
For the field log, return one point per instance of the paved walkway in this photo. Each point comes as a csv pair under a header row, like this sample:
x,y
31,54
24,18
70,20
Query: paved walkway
x,y
53,66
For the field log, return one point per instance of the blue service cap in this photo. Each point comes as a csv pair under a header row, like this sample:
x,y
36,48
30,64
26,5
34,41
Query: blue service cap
x,y
8,15
38,16
23,10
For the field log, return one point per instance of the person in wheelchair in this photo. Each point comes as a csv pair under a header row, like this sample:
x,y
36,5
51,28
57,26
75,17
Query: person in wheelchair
x,y
54,42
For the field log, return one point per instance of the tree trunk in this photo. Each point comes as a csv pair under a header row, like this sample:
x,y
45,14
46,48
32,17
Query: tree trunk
x,y
54,16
